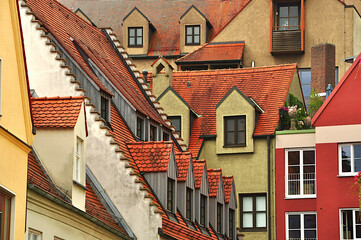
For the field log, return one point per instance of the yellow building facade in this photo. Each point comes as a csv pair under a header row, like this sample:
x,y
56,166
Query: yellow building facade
x,y
15,124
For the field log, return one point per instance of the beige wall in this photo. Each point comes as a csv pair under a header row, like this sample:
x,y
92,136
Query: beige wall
x,y
338,134
162,78
295,87
356,33
297,140
136,19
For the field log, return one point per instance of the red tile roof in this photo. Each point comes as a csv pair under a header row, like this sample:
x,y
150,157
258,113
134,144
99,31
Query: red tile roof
x,y
166,39
183,165
151,156
268,86
198,166
215,52
213,178
227,185
56,111
70,30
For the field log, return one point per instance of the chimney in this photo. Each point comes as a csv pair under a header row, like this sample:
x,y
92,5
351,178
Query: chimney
x,y
322,67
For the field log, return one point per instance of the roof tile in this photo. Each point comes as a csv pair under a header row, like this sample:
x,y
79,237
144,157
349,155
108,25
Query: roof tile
x,y
213,178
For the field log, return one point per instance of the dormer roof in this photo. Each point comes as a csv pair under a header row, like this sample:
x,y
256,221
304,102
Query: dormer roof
x,y
56,112
214,177
145,17
227,185
199,166
194,7
183,161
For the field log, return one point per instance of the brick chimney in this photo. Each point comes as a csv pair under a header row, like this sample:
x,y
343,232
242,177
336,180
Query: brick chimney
x,y
322,67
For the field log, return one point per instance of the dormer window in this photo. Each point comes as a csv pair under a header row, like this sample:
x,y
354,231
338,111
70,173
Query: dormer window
x,y
104,108
231,223
288,16
152,133
193,35
170,195
219,217
203,209
235,131
176,122
135,37
78,156
165,136
189,201
140,128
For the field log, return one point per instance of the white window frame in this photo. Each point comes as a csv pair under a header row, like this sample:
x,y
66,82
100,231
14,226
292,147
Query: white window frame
x,y
353,221
34,233
301,195
302,214
78,160
352,173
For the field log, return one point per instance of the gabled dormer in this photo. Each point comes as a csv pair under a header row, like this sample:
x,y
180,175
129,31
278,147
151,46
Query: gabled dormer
x,y
137,32
194,28
230,206
60,143
236,121
156,160
216,200
162,73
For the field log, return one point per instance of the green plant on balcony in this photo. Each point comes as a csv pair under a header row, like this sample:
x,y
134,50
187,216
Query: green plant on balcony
x,y
315,102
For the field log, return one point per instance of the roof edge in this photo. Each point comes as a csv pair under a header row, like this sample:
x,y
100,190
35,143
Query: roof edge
x,y
235,88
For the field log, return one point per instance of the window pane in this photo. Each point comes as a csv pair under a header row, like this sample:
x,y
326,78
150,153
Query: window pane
x,y
241,138
347,224
293,11
357,164
346,165
196,39
260,203
295,234
241,124
132,32
293,22
308,170
294,222
283,11
189,39
310,220
230,124
294,158
346,151
247,204
283,22
310,234
196,30
260,219
139,32
131,41
358,231
139,41
247,220
230,138
189,30
309,157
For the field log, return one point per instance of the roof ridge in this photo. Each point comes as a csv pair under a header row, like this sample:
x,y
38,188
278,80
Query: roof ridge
x,y
193,51
57,98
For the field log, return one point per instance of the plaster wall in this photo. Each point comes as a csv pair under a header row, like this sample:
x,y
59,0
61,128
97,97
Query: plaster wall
x,y
136,19
295,140
142,64
338,134
356,33
53,220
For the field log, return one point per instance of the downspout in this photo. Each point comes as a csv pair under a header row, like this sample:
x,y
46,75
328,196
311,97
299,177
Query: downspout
x,y
269,184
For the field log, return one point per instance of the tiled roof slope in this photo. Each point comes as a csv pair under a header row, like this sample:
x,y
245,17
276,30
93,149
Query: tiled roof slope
x,y
163,14
182,165
198,166
268,86
61,112
68,28
195,143
213,178
215,52
151,156
227,185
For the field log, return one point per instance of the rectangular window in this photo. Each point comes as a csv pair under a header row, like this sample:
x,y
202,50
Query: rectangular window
x,y
34,235
231,224
349,158
5,215
350,224
193,35
170,195
301,226
203,210
253,211
152,133
288,16
300,173
140,128
235,131
165,136
176,122
135,37
219,217
189,201
104,108
78,156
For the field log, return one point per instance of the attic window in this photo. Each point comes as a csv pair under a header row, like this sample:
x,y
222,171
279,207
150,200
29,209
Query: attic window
x,y
189,200
235,131
140,128
219,217
193,35
104,108
165,136
152,133
170,195
231,223
176,122
135,37
203,210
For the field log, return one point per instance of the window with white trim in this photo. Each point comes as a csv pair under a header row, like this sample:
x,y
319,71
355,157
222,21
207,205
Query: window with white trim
x,y
300,173
5,215
78,160
301,226
34,235
350,224
349,158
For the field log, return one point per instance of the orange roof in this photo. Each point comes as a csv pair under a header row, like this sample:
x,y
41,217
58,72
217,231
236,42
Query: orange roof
x,y
268,86
151,156
182,159
213,178
198,166
215,52
78,37
56,111
166,39
227,185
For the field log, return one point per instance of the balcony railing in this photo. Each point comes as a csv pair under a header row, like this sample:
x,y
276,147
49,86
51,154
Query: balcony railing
x,y
285,40
294,184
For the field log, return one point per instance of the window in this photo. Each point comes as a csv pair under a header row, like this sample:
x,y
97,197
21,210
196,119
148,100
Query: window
x,y
301,226
300,173
5,215
165,136
135,37
170,195
34,235
104,108
253,211
78,156
152,133
193,35
288,16
140,128
176,122
231,224
350,224
219,217
349,159
235,131
203,210
189,201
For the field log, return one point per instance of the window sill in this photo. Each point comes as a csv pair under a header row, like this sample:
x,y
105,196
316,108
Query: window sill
x,y
80,185
134,46
300,197
194,44
254,230
234,146
348,175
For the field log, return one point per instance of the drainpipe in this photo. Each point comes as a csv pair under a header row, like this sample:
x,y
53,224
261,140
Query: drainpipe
x,y
269,184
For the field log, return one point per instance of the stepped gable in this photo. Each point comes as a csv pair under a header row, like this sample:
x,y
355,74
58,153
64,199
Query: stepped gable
x,y
183,159
227,185
213,178
58,112
268,86
198,166
73,33
165,40
210,52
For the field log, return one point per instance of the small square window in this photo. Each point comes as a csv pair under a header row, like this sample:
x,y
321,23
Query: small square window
x,y
135,37
235,131
349,159
176,122
253,211
193,35
34,235
288,16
